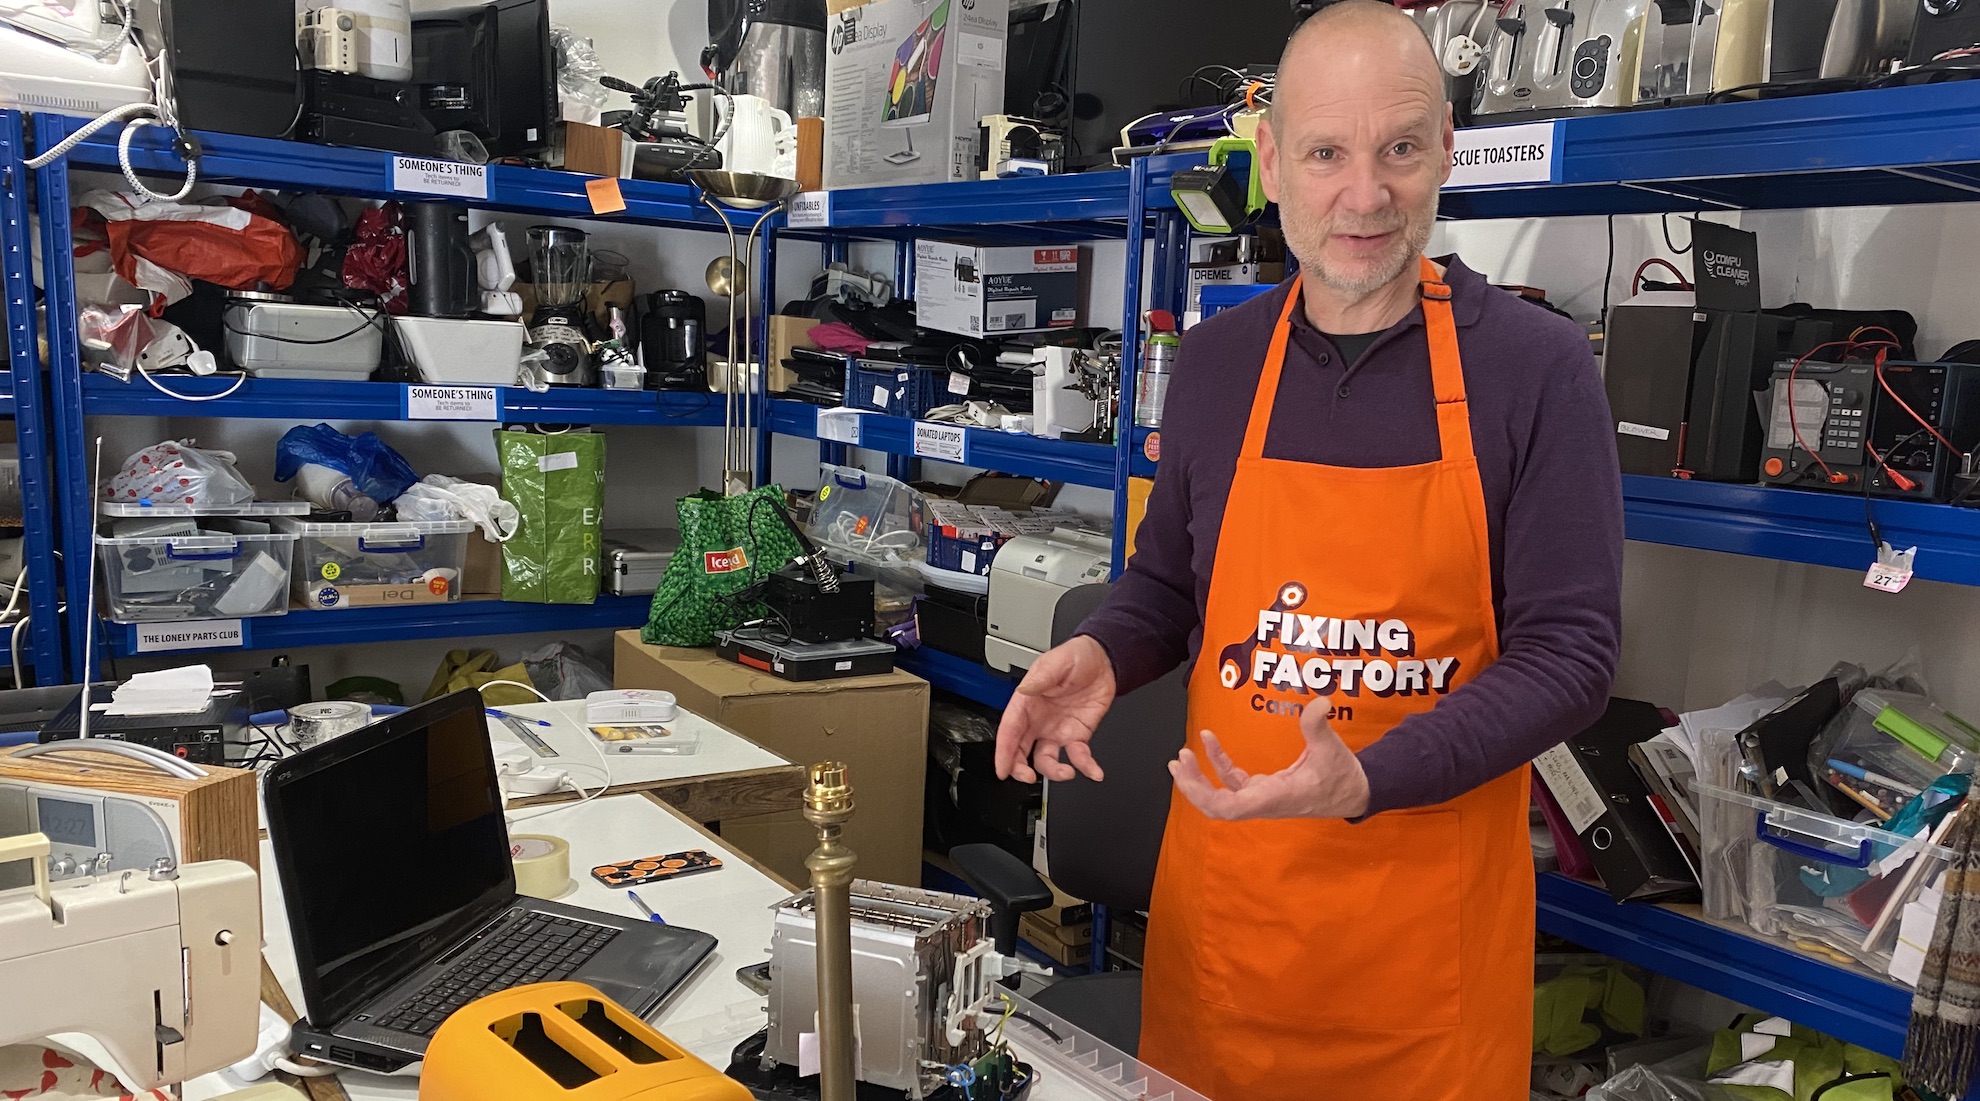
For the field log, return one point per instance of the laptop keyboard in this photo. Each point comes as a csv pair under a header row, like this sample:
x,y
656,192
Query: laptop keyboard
x,y
543,948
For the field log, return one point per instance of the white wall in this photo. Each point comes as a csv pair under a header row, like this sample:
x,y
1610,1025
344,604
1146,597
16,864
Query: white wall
x,y
1698,626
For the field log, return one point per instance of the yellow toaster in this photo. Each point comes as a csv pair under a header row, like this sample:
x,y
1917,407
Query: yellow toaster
x,y
562,1041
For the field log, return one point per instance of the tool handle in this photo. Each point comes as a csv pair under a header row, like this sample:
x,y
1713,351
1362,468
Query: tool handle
x,y
1812,852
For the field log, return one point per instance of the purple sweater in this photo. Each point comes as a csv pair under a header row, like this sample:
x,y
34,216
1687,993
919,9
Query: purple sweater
x,y
1553,499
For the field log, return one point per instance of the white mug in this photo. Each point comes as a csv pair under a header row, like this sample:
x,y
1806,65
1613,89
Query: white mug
x,y
757,134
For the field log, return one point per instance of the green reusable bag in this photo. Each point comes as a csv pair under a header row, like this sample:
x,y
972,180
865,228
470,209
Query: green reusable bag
x,y
729,545
558,484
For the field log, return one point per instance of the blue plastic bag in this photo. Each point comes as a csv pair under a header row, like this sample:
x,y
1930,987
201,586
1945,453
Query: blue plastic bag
x,y
377,471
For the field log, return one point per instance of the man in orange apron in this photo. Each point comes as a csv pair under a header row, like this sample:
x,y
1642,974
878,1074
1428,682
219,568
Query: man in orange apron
x,y
1398,569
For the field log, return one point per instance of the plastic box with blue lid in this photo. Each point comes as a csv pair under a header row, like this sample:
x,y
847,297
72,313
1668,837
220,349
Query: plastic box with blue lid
x,y
378,565
210,568
1886,746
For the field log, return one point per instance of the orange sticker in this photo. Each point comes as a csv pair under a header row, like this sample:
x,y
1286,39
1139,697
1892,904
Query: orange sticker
x,y
604,195
860,526
1152,447
438,586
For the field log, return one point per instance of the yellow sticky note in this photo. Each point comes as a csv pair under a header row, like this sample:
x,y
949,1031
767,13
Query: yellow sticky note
x,y
604,195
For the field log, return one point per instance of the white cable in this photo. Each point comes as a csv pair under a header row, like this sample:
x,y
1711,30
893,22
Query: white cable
x,y
160,112
14,601
604,766
14,647
239,381
322,1070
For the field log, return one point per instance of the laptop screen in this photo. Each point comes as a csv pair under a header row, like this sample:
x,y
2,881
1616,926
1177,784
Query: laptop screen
x,y
389,850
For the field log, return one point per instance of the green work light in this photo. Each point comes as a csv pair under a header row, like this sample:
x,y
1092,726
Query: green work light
x,y
1210,195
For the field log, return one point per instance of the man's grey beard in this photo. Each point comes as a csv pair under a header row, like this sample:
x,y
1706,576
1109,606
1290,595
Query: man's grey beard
x,y
1414,239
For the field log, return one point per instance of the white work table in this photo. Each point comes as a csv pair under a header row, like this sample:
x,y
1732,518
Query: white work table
x,y
712,1012
728,776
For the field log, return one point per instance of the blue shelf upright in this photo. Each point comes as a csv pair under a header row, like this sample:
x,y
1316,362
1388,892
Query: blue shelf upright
x,y
23,399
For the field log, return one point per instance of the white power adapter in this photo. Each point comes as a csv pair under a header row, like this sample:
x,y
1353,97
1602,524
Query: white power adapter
x,y
1462,55
539,781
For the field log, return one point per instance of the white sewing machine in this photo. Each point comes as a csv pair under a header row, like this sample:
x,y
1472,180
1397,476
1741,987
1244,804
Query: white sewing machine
x,y
163,968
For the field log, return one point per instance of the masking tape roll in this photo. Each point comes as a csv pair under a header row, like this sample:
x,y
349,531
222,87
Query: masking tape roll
x,y
543,865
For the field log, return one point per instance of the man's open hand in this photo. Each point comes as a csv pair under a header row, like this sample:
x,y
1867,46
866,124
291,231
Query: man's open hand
x,y
1054,710
1325,782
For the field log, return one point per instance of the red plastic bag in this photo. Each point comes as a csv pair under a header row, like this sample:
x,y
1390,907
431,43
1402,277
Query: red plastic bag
x,y
377,259
161,246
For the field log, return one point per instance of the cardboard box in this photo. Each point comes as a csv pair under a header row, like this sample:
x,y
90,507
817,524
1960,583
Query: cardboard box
x,y
1039,931
907,83
1227,275
787,333
483,576
978,290
877,726
1055,942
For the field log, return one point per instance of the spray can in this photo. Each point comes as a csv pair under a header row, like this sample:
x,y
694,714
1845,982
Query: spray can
x,y
1158,360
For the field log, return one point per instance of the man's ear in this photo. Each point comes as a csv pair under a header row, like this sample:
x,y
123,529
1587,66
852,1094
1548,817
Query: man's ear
x,y
1268,160
1450,143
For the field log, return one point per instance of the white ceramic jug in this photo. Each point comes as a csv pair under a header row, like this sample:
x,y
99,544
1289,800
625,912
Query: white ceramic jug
x,y
758,133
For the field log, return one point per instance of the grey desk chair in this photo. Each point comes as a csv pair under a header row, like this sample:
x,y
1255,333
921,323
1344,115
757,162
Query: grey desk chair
x,y
1102,842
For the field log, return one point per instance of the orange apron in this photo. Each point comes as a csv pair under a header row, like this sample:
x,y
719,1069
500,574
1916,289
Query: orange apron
x,y
1308,959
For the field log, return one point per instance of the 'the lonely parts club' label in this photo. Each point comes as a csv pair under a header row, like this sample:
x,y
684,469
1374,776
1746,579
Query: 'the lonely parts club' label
x,y
1292,652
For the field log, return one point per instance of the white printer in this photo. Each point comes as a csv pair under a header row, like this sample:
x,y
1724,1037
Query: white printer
x,y
1027,579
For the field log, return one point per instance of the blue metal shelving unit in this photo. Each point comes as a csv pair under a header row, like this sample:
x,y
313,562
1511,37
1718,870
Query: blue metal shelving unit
x,y
1087,464
358,626
968,679
294,166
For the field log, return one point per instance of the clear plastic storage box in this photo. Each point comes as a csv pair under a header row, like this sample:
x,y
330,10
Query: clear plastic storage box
x,y
200,572
867,516
1885,747
1825,885
373,565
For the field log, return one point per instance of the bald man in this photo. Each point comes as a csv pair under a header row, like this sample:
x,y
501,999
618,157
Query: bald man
x,y
1388,534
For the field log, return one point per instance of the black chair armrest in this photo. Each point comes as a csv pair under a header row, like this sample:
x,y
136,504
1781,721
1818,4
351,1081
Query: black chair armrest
x,y
1007,883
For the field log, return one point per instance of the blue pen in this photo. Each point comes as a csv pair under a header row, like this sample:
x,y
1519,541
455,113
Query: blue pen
x,y
644,908
1869,777
505,716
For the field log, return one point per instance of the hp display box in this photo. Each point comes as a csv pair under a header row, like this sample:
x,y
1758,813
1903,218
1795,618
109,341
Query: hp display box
x,y
907,83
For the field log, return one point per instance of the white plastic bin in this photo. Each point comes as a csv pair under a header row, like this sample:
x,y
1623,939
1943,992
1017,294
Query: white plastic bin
x,y
1822,884
375,565
870,517
207,574
461,351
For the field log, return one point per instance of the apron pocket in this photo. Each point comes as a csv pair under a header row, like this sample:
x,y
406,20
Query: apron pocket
x,y
1336,924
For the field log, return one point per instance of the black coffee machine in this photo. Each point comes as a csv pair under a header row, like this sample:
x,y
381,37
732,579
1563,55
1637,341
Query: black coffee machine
x,y
673,340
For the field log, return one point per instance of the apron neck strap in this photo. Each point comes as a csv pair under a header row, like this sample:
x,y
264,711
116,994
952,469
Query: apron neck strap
x,y
1446,370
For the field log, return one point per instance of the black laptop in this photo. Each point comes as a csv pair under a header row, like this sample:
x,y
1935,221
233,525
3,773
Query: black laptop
x,y
395,869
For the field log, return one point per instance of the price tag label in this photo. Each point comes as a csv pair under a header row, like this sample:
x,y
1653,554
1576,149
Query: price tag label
x,y
948,442
210,634
451,403
1887,579
811,210
839,426
958,384
449,178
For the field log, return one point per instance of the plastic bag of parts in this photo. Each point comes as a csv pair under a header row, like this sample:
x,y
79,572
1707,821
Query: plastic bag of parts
x,y
579,90
438,497
377,259
377,471
564,672
239,243
177,473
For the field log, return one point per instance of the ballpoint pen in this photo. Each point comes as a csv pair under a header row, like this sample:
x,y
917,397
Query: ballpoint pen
x,y
644,908
505,716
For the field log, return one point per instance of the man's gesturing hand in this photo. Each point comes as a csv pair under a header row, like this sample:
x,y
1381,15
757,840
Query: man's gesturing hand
x,y
1055,708
1325,782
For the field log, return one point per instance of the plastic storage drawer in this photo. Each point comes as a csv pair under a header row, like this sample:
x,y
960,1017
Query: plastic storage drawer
x,y
1820,883
204,575
374,565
